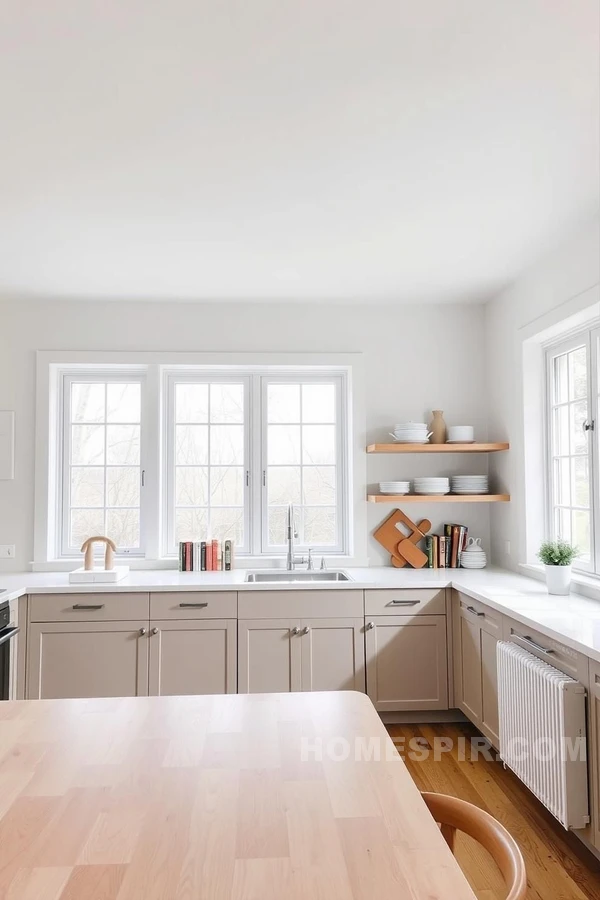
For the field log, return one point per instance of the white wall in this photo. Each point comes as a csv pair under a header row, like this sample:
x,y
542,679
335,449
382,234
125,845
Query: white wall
x,y
558,287
415,358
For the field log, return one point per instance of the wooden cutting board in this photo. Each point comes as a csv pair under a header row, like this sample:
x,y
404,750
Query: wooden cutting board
x,y
391,538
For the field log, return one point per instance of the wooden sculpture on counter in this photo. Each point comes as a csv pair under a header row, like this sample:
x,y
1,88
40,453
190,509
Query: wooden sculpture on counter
x,y
109,556
403,548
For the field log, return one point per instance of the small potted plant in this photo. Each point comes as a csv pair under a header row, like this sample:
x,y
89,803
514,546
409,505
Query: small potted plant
x,y
557,557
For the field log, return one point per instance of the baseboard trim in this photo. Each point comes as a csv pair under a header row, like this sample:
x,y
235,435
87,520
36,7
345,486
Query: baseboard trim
x,y
423,718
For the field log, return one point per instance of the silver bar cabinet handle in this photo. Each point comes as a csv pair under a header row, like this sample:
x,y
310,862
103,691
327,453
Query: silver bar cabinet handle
x,y
527,640
404,602
473,610
193,605
87,606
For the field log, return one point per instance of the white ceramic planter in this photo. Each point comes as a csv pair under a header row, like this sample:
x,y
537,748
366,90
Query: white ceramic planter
x,y
558,579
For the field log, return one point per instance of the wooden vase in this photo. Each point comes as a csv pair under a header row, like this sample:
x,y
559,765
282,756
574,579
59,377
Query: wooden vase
x,y
437,428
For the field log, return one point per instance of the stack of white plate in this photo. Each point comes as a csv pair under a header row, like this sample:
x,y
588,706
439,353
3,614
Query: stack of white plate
x,y
432,485
394,487
473,556
470,484
411,433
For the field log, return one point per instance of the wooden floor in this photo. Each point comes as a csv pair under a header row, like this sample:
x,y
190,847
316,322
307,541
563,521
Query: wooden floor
x,y
558,868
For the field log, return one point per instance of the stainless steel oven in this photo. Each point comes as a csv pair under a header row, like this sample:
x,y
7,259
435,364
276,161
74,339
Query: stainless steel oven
x,y
8,634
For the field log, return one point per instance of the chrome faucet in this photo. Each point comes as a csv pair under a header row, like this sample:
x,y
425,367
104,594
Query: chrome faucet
x,y
291,560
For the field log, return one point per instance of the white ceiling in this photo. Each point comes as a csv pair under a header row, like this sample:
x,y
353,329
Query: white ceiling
x,y
386,150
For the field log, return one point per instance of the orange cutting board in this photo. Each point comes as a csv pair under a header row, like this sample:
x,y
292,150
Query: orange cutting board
x,y
390,537
413,556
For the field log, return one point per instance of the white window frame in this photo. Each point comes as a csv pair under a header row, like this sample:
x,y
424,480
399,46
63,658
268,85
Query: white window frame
x,y
590,338
112,375
173,378
339,382
154,366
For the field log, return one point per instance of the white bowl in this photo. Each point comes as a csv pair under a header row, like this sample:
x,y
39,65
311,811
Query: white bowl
x,y
462,434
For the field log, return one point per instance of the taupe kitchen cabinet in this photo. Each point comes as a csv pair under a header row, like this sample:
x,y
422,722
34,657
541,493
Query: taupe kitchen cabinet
x,y
284,655
193,642
193,657
300,641
407,662
477,630
407,650
87,645
594,749
269,656
87,659
333,654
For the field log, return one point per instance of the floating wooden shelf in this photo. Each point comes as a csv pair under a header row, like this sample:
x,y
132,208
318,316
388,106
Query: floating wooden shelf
x,y
438,498
437,448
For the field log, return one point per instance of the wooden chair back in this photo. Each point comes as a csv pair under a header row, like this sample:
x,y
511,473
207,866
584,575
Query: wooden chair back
x,y
454,815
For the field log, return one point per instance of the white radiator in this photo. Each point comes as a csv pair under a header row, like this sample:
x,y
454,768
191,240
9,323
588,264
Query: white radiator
x,y
542,732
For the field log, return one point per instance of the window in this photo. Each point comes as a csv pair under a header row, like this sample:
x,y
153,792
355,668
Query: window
x,y
153,455
573,496
102,461
302,462
207,461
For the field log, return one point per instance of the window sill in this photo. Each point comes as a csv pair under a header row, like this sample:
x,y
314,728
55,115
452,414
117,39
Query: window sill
x,y
586,585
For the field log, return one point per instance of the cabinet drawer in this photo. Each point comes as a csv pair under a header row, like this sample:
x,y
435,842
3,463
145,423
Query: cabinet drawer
x,y
486,618
193,605
560,656
405,602
88,607
300,604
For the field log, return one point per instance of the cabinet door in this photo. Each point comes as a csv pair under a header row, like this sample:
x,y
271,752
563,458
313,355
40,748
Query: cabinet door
x,y
333,654
87,659
594,749
269,656
193,657
407,663
490,725
470,688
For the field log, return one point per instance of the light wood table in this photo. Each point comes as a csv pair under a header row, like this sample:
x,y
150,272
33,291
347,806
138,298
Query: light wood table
x,y
210,798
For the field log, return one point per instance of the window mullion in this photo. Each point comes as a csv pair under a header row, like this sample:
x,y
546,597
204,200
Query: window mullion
x,y
150,452
259,438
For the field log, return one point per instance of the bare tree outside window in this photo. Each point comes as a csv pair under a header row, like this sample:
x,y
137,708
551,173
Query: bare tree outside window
x,y
152,454
209,461
302,461
104,462
570,449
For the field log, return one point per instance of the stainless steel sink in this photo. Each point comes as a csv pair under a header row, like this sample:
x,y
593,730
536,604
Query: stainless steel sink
x,y
295,577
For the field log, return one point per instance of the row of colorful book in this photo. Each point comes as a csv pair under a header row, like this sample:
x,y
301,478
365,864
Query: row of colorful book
x,y
205,556
443,550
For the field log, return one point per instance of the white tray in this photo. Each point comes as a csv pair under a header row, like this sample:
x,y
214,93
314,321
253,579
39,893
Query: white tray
x,y
98,576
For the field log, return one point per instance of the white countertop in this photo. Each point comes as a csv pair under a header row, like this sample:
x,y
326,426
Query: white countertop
x,y
573,620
